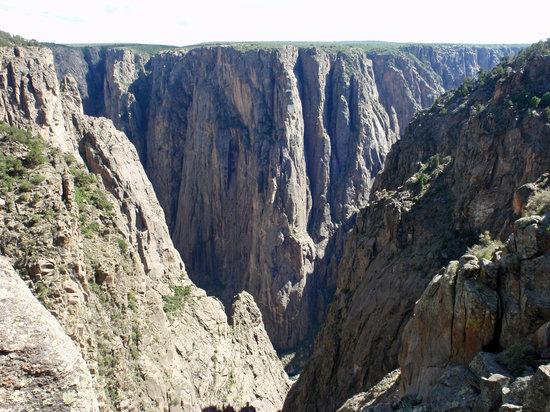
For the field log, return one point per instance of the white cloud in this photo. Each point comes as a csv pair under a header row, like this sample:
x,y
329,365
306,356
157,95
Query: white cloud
x,y
189,22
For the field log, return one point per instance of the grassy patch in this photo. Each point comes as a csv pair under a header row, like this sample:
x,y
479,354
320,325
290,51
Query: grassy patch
x,y
516,357
36,179
132,301
486,246
87,191
539,203
122,245
90,230
175,303
15,167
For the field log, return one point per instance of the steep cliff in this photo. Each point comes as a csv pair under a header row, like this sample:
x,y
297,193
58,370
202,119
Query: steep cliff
x,y
260,158
479,338
82,227
451,177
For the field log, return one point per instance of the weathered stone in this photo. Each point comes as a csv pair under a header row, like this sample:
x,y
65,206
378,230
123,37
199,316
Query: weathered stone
x,y
538,390
456,390
484,364
187,354
261,140
384,392
521,197
491,393
508,407
515,392
526,236
40,366
384,278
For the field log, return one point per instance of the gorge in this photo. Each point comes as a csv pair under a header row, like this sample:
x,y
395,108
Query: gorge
x,y
259,156
306,189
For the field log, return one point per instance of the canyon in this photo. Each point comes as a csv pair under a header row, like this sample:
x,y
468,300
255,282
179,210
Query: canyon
x,y
261,157
377,199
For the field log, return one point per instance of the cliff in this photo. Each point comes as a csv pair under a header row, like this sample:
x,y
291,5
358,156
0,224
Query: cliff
x,y
449,179
82,227
261,158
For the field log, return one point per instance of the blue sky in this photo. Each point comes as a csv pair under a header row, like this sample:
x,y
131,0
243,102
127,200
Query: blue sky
x,y
189,22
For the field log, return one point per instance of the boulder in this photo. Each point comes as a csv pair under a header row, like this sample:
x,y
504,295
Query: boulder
x,y
491,393
538,390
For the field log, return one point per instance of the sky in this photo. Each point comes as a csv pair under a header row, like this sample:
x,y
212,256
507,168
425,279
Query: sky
x,y
190,22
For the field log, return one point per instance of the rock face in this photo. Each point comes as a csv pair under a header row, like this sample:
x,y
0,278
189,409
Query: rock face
x,y
40,366
89,238
259,158
474,306
451,177
479,336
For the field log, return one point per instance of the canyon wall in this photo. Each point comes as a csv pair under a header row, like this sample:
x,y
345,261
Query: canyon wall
x,y
83,229
261,158
451,178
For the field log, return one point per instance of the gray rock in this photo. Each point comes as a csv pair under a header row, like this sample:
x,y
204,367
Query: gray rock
x,y
538,391
526,236
187,358
508,407
484,364
491,393
515,392
457,389
40,366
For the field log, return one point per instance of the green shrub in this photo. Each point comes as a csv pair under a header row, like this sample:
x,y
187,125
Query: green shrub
x,y
535,101
122,245
516,357
132,301
539,203
100,201
465,88
135,338
35,156
87,192
174,304
34,144
94,197
70,159
25,186
36,179
547,114
545,100
486,247
33,220
422,179
11,166
90,230
82,178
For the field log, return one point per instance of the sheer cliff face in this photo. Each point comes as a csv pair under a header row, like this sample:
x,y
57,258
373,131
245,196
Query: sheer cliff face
x,y
451,177
90,240
273,150
258,157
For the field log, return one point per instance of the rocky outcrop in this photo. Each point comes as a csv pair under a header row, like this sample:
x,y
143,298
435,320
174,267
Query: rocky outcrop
x,y
275,147
479,336
40,366
450,178
83,228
